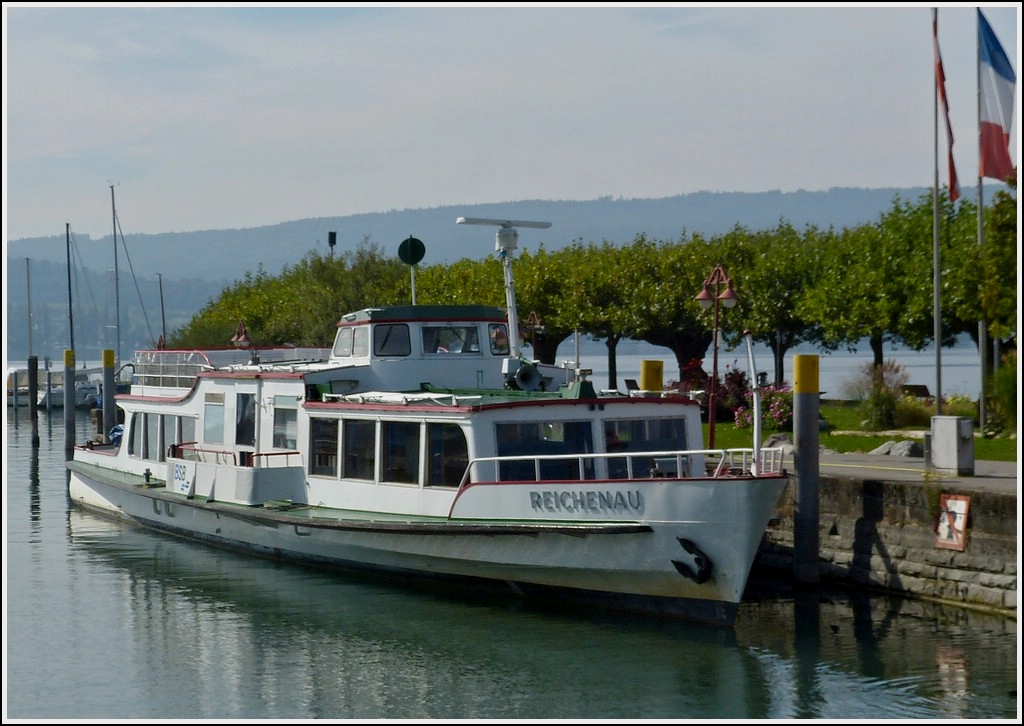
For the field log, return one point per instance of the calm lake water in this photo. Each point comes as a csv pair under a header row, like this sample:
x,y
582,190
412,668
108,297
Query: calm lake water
x,y
961,367
105,621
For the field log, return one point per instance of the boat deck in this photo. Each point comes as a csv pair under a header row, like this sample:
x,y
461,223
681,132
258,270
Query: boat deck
x,y
287,512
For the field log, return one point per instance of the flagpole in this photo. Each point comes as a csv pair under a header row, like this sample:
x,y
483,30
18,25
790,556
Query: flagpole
x,y
936,267
982,333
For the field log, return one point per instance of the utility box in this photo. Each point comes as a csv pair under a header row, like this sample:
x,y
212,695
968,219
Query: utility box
x,y
952,445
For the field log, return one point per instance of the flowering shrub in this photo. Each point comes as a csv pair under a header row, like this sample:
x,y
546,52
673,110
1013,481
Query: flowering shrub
x,y
776,409
692,377
729,393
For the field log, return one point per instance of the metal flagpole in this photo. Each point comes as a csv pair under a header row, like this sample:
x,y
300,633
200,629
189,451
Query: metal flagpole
x,y
982,333
936,267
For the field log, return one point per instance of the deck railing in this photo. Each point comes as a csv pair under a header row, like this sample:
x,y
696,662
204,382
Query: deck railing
x,y
179,368
622,466
226,457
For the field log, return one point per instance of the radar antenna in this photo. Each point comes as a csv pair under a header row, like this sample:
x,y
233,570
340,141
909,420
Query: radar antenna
x,y
505,242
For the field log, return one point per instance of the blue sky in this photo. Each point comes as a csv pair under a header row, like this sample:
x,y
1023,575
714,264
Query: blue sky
x,y
209,117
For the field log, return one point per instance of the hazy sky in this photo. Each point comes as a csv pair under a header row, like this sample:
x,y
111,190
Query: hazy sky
x,y
209,117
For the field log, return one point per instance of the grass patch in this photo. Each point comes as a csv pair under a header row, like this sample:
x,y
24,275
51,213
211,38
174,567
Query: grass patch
x,y
845,417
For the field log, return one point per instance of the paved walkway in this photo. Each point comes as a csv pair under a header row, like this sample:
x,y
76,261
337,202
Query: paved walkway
x,y
993,476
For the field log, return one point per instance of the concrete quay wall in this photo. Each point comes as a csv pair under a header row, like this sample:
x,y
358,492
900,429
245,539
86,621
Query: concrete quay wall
x,y
882,534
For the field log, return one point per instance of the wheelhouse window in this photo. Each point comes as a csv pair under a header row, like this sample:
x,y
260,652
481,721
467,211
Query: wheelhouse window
x,y
446,339
497,333
447,455
545,439
352,342
323,446
391,340
343,343
361,341
400,451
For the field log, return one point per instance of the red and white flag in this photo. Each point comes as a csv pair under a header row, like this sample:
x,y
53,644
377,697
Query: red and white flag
x,y
995,111
940,81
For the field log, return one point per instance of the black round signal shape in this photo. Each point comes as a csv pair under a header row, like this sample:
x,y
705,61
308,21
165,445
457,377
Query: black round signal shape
x,y
411,251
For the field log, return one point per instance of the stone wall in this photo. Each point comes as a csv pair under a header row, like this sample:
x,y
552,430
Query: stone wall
x,y
882,535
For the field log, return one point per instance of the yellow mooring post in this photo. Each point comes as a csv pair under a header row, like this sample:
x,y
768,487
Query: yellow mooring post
x,y
806,402
69,400
108,394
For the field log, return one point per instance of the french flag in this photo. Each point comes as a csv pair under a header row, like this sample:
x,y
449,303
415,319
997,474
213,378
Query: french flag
x,y
996,81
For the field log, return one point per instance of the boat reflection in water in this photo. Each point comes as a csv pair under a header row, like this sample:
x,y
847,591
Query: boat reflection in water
x,y
216,634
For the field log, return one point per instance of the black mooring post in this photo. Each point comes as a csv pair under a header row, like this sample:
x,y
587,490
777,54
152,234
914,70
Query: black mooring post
x,y
33,396
806,402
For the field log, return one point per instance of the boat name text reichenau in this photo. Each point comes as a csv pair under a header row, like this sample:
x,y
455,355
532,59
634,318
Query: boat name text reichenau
x,y
592,501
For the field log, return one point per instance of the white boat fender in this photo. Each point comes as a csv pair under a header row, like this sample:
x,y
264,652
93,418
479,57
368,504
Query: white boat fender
x,y
699,569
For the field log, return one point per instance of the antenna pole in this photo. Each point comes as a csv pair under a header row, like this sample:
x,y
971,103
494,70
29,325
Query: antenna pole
x,y
505,243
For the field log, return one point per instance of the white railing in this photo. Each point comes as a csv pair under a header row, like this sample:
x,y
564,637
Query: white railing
x,y
226,457
623,465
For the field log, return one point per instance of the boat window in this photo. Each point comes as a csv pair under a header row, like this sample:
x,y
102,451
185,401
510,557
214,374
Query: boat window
x,y
188,429
545,438
144,437
286,428
498,335
323,440
135,435
213,422
359,449
343,343
445,339
638,435
153,448
400,450
391,340
447,453
245,419
169,434
361,341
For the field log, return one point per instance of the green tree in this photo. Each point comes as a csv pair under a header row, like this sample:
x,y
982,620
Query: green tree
x,y
782,266
876,283
666,279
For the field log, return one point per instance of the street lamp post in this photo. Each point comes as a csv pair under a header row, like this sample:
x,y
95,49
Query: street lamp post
x,y
534,325
712,295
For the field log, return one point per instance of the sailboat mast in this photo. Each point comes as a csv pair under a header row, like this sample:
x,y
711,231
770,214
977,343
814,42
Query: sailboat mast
x,y
163,319
117,289
28,293
71,317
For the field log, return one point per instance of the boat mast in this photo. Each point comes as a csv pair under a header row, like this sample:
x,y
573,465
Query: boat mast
x,y
117,291
71,316
505,242
163,319
28,294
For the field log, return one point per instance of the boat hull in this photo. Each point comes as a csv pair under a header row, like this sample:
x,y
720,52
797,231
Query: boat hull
x,y
634,566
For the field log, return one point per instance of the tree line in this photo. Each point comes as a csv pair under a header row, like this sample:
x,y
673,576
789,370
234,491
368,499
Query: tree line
x,y
830,288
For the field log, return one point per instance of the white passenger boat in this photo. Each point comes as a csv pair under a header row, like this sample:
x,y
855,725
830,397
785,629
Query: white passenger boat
x,y
424,445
